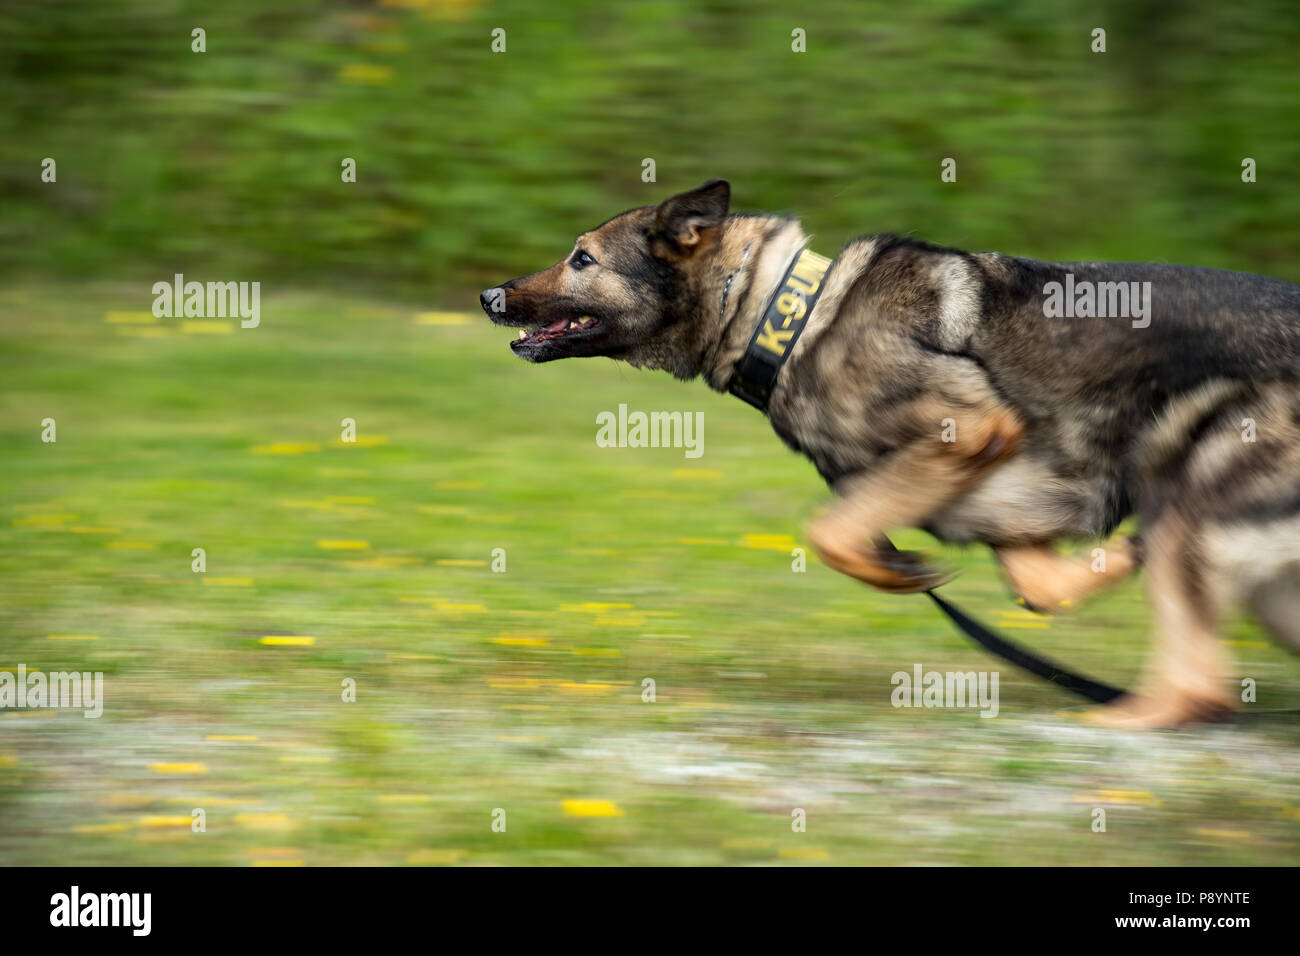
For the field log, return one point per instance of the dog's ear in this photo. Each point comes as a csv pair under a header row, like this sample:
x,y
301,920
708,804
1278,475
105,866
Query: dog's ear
x,y
680,219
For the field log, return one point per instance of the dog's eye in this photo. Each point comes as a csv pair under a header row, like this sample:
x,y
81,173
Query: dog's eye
x,y
581,259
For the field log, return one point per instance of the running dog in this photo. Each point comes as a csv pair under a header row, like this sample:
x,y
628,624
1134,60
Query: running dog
x,y
984,398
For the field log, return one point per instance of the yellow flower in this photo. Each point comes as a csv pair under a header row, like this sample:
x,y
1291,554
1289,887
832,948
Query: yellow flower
x,y
286,448
366,73
174,820
264,821
592,808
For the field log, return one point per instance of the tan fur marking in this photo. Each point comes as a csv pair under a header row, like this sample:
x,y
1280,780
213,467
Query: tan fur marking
x,y
1051,582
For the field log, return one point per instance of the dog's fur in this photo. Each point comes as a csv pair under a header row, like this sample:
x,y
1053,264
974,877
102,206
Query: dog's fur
x,y
930,390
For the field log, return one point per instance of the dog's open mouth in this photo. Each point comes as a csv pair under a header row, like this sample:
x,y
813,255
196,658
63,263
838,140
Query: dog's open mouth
x,y
559,329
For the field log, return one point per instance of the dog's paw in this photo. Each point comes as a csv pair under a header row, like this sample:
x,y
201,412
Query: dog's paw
x,y
906,572
882,566
1049,583
1167,711
1045,601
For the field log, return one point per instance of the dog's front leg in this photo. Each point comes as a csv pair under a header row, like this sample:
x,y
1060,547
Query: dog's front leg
x,y
1049,582
909,484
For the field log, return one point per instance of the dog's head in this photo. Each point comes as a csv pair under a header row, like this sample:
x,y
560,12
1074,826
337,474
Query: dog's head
x,y
628,289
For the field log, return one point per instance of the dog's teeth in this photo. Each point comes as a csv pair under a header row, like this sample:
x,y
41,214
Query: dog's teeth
x,y
572,325
523,334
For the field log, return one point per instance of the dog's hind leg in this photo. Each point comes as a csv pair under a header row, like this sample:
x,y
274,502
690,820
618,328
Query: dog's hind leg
x,y
1277,605
1049,582
1257,549
1186,673
1251,478
1206,483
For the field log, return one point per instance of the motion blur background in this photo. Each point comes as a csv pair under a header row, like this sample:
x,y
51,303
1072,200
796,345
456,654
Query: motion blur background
x,y
523,690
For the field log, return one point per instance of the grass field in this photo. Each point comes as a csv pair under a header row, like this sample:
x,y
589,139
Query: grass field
x,y
519,691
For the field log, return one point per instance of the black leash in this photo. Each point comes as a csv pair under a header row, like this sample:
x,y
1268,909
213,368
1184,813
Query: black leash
x,y
1013,653
1044,668
782,320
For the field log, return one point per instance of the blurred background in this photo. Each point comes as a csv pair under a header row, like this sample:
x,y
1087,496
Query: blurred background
x,y
475,166
522,691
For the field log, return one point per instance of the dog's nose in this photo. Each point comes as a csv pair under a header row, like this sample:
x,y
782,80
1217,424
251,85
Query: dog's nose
x,y
487,297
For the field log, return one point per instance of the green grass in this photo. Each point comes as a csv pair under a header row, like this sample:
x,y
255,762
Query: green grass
x,y
622,564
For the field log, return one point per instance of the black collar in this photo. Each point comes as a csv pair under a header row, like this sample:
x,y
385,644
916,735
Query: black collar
x,y
787,312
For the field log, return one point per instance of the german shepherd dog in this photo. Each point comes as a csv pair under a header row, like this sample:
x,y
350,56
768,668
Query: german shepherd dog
x,y
948,390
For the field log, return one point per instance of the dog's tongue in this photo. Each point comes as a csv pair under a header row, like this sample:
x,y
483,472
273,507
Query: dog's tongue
x,y
559,325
